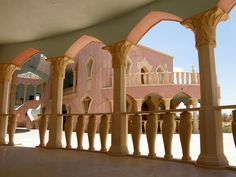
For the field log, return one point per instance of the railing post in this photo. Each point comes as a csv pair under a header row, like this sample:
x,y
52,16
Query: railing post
x,y
80,126
91,131
68,131
136,133
151,131
185,132
43,122
103,129
234,126
168,127
12,128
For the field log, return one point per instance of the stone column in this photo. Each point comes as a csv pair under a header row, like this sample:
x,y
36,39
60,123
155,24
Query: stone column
x,y
6,72
167,103
195,116
58,66
139,104
211,137
25,90
35,91
12,119
119,53
43,94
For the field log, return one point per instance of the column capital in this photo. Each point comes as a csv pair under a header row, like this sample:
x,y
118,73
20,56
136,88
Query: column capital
x,y
6,71
119,52
204,26
58,65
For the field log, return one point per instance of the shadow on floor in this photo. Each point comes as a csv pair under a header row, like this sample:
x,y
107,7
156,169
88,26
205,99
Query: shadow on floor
x,y
21,130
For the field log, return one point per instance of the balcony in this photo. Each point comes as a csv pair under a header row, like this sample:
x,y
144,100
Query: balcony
x,y
157,79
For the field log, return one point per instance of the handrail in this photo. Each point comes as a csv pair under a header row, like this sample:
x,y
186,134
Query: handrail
x,y
145,112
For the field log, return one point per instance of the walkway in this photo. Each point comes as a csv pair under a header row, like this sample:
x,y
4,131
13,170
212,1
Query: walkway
x,y
27,162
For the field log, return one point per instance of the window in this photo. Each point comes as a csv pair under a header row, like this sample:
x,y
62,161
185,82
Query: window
x,y
160,72
89,67
86,103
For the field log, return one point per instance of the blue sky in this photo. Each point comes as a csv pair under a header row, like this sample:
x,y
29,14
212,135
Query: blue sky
x,y
177,41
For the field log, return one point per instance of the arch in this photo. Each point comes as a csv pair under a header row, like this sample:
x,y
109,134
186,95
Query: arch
x,y
131,104
147,22
86,102
226,5
178,98
152,100
160,68
24,56
79,44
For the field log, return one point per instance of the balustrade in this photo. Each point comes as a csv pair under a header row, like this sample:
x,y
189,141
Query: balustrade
x,y
101,120
157,78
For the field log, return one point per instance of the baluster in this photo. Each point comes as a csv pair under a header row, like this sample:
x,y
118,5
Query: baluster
x,y
91,132
144,78
12,128
185,132
151,131
68,131
234,126
187,78
103,129
42,129
136,133
198,78
177,78
158,78
168,128
80,126
182,78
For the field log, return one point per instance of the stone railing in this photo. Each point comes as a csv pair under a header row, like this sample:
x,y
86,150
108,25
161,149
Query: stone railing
x,y
169,125
85,123
157,78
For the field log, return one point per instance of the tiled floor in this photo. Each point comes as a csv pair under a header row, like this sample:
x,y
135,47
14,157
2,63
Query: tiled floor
x,y
22,161
36,162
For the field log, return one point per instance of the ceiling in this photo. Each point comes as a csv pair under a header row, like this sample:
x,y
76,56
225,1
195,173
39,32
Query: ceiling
x,y
27,20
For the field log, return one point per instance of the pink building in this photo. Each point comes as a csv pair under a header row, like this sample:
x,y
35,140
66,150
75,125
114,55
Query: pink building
x,y
151,83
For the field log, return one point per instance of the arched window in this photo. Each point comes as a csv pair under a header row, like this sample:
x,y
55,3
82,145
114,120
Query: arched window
x,y
89,67
144,75
86,103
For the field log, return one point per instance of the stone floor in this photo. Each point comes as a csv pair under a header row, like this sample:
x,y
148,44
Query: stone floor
x,y
23,160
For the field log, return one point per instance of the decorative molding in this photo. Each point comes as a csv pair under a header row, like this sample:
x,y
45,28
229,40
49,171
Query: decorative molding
x,y
204,26
6,71
58,65
119,52
29,75
144,64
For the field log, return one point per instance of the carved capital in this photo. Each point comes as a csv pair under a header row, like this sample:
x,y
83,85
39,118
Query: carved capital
x,y
6,71
204,26
58,65
119,52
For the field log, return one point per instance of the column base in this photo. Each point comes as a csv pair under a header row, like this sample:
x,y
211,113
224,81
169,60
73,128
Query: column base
x,y
54,145
212,161
118,150
3,141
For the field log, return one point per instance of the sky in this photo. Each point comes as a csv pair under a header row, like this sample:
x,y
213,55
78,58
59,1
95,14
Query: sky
x,y
176,40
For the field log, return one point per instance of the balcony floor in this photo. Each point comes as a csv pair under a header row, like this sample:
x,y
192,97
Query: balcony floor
x,y
37,162
28,162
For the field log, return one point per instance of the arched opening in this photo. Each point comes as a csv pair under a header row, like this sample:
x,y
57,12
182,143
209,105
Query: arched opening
x,y
144,75
152,102
160,72
86,103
